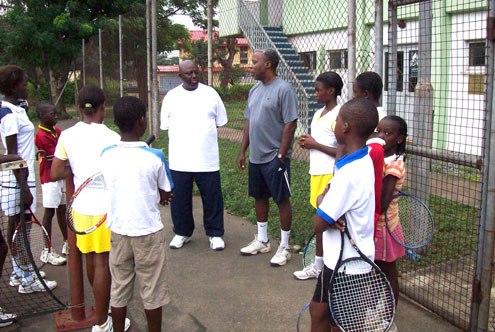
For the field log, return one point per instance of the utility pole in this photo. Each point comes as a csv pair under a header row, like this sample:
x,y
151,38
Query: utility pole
x,y
210,42
83,63
148,61
120,57
154,68
101,64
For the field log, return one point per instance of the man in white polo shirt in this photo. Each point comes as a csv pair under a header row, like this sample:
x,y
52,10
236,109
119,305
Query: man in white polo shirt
x,y
191,113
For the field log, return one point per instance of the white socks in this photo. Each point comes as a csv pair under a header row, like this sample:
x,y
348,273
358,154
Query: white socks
x,y
285,239
262,231
319,263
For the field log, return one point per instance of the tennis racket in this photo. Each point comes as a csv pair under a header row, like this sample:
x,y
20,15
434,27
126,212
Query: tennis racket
x,y
360,296
412,224
82,223
304,319
31,248
309,251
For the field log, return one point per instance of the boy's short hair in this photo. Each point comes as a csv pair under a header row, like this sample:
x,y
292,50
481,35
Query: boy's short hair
x,y
43,106
372,82
126,111
361,114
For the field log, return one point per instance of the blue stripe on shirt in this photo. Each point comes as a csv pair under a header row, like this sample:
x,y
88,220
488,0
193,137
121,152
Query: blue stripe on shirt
x,y
159,154
4,111
325,216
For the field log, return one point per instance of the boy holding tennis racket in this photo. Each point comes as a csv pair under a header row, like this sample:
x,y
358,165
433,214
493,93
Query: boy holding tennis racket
x,y
53,191
137,179
350,193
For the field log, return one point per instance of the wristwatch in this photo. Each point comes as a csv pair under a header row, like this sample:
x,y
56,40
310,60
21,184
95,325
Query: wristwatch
x,y
279,156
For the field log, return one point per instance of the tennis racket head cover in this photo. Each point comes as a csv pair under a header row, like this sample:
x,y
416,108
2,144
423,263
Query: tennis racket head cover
x,y
360,296
309,251
411,225
32,249
84,223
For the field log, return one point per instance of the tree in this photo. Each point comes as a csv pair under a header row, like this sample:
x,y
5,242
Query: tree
x,y
224,50
44,36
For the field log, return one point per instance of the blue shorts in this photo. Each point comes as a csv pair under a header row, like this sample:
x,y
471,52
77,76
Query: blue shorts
x,y
271,179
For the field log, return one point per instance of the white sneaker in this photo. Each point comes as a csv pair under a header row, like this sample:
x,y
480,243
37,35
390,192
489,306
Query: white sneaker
x,y
217,243
309,272
6,316
65,248
36,286
15,281
108,326
255,247
105,327
178,241
52,258
281,256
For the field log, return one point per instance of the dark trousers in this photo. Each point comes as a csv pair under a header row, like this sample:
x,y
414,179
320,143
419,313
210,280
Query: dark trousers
x,y
211,194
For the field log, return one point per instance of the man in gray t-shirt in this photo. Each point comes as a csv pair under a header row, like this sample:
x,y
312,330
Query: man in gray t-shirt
x,y
271,115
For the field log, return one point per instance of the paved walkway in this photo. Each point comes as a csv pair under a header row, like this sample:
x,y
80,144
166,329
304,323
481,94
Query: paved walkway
x,y
224,291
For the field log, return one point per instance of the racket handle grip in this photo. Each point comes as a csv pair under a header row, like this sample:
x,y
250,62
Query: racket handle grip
x,y
415,257
150,139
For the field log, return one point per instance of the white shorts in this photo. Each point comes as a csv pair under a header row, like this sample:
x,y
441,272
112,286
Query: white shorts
x,y
53,194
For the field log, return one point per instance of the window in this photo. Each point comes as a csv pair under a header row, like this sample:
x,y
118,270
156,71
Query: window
x,y
400,71
244,55
338,59
476,54
413,70
477,61
309,59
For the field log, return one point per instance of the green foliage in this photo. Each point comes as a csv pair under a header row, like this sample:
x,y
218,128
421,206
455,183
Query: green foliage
x,y
235,92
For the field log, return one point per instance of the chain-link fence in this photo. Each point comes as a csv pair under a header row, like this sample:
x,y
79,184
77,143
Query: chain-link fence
x,y
434,59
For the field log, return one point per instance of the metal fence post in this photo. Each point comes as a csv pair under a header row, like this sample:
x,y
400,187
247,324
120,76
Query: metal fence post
x,y
422,124
154,71
487,225
392,58
351,45
379,37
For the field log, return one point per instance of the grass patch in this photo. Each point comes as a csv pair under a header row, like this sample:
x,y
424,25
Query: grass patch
x,y
235,114
456,232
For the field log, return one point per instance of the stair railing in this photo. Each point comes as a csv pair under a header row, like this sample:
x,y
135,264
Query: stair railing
x,y
259,39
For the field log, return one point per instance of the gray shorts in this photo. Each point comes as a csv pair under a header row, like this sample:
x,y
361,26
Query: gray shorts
x,y
143,257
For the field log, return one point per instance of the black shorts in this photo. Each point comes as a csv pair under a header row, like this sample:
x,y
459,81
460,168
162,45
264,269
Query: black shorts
x,y
270,180
321,289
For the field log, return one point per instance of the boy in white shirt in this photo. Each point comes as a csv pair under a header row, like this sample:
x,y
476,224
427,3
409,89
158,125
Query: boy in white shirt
x,y
350,193
137,179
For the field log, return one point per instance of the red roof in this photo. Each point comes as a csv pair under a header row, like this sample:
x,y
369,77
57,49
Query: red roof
x,y
203,34
175,69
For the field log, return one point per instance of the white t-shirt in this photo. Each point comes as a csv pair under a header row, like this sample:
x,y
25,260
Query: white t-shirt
x,y
192,118
82,145
322,130
133,173
14,121
351,193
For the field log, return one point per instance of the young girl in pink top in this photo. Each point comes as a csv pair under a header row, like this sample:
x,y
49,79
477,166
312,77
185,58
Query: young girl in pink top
x,y
393,130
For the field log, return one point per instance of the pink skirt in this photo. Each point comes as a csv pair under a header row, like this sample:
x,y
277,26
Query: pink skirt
x,y
386,248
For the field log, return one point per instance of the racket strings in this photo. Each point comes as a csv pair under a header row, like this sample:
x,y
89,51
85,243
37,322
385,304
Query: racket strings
x,y
37,243
416,223
84,223
360,298
310,252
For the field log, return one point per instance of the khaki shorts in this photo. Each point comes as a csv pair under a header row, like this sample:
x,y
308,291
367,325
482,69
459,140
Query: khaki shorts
x,y
143,257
